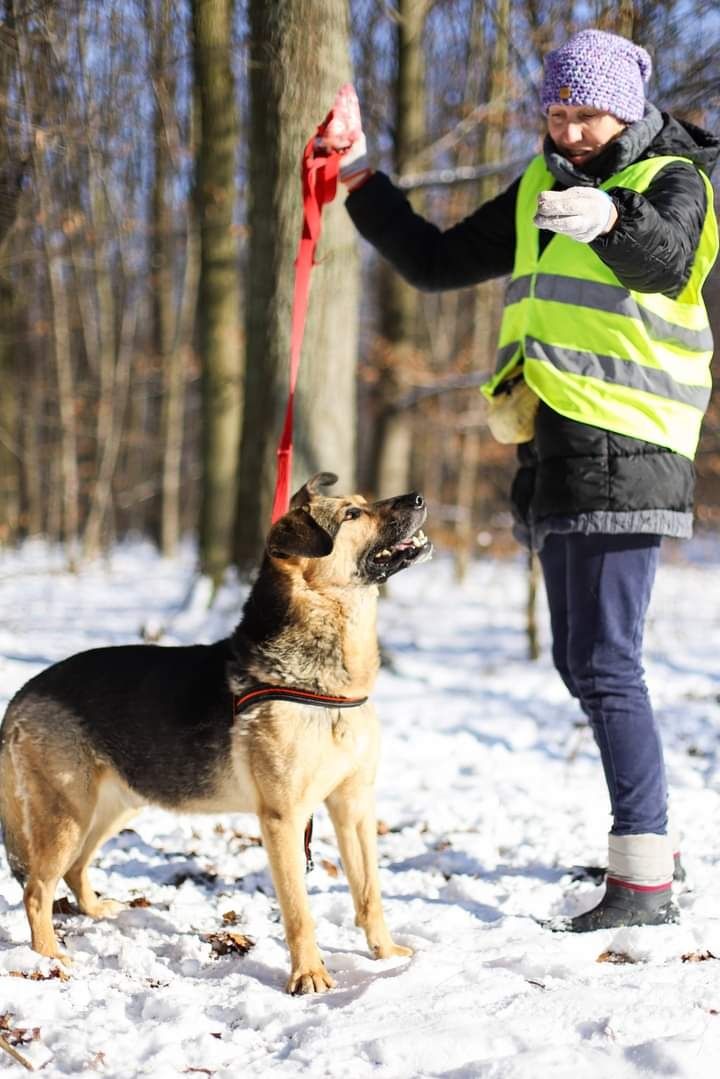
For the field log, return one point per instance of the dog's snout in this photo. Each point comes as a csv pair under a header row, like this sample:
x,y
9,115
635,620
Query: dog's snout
x,y
414,501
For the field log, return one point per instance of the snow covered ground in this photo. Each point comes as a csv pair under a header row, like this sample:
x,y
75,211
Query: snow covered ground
x,y
489,793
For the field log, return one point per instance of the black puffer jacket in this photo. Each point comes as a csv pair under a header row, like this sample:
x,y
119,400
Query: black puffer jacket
x,y
575,477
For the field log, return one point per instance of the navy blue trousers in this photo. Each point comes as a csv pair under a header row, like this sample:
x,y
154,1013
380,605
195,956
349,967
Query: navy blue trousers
x,y
598,590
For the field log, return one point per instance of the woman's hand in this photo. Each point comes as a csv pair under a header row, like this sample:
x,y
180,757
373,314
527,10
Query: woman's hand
x,y
345,127
344,133
582,213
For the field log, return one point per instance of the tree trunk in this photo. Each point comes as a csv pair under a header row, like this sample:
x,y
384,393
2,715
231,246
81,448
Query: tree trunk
x,y
171,323
219,287
173,417
10,452
401,320
299,56
59,304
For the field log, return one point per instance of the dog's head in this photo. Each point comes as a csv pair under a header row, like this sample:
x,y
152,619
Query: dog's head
x,y
346,540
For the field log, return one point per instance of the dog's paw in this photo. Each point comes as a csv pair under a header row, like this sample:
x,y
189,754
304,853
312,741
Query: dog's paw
x,y
316,980
385,951
106,908
101,908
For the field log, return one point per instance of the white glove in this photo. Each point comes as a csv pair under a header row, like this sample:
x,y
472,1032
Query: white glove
x,y
582,213
345,133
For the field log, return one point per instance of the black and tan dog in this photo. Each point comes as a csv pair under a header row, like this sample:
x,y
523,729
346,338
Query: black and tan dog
x,y
91,740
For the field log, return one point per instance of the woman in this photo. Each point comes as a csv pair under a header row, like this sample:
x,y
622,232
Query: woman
x,y
608,237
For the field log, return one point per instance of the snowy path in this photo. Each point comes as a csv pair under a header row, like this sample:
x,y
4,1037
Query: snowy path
x,y
489,792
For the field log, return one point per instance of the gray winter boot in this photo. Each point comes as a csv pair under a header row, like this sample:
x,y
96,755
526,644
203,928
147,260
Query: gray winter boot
x,y
639,885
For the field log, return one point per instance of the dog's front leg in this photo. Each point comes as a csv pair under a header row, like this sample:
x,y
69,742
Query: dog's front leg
x,y
283,838
352,810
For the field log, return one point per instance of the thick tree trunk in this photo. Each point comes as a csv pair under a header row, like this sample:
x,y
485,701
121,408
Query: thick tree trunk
x,y
299,56
219,287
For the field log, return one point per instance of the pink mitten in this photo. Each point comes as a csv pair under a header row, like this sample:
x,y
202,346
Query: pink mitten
x,y
344,133
345,127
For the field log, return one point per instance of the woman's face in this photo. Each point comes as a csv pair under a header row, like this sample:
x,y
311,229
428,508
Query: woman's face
x,y
581,132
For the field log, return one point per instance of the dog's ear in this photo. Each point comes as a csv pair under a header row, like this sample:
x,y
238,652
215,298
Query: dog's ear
x,y
312,487
297,533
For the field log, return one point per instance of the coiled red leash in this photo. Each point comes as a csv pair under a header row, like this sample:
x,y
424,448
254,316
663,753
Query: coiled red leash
x,y
319,173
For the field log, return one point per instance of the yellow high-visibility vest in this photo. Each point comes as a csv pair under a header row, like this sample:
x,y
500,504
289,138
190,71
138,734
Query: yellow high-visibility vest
x,y
636,363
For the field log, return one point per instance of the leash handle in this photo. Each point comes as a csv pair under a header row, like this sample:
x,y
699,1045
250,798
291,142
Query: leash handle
x,y
319,173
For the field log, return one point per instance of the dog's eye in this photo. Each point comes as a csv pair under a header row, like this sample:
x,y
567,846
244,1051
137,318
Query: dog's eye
x,y
352,514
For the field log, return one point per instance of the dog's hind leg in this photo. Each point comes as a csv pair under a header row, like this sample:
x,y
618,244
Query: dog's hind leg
x,y
109,817
43,828
283,839
352,811
55,835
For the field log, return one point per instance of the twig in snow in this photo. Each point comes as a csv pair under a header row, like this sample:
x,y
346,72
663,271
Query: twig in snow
x,y
12,1051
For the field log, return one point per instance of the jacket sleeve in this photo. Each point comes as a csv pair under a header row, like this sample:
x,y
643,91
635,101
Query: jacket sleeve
x,y
653,244
478,248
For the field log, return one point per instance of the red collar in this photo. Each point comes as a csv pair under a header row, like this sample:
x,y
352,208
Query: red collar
x,y
296,696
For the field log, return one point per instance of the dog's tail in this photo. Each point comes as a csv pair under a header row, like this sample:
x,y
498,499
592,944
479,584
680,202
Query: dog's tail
x,y
11,835
17,865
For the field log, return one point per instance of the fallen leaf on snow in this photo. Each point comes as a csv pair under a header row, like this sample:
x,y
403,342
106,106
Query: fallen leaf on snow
x,y
64,906
614,957
38,976
227,943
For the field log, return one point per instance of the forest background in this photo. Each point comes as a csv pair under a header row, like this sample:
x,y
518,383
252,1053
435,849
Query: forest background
x,y
149,216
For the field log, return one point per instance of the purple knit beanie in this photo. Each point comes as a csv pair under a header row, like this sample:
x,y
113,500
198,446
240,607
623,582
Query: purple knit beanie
x,y
604,71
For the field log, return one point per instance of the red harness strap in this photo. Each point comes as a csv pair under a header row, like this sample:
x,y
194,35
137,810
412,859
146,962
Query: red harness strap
x,y
296,696
319,183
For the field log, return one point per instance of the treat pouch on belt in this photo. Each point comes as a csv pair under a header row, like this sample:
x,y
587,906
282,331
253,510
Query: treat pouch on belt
x,y
595,351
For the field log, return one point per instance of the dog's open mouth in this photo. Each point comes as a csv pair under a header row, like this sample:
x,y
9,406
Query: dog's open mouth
x,y
416,548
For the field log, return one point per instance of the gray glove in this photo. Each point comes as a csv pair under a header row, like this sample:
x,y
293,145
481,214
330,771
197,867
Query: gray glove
x,y
582,213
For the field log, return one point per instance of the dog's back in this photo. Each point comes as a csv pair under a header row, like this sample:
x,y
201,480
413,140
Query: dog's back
x,y
159,716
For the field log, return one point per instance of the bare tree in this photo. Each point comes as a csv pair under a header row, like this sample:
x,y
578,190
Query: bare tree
x,y
299,56
401,323
219,298
42,148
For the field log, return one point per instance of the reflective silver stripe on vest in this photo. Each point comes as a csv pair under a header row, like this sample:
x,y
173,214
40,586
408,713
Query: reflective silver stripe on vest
x,y
518,289
505,354
616,300
621,372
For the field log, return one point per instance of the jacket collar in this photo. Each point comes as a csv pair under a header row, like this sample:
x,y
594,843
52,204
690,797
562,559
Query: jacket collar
x,y
628,147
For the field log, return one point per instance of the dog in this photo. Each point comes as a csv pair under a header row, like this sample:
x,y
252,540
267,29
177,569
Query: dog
x,y
91,740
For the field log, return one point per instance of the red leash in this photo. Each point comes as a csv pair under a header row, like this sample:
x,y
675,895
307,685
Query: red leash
x,y
319,174
319,183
